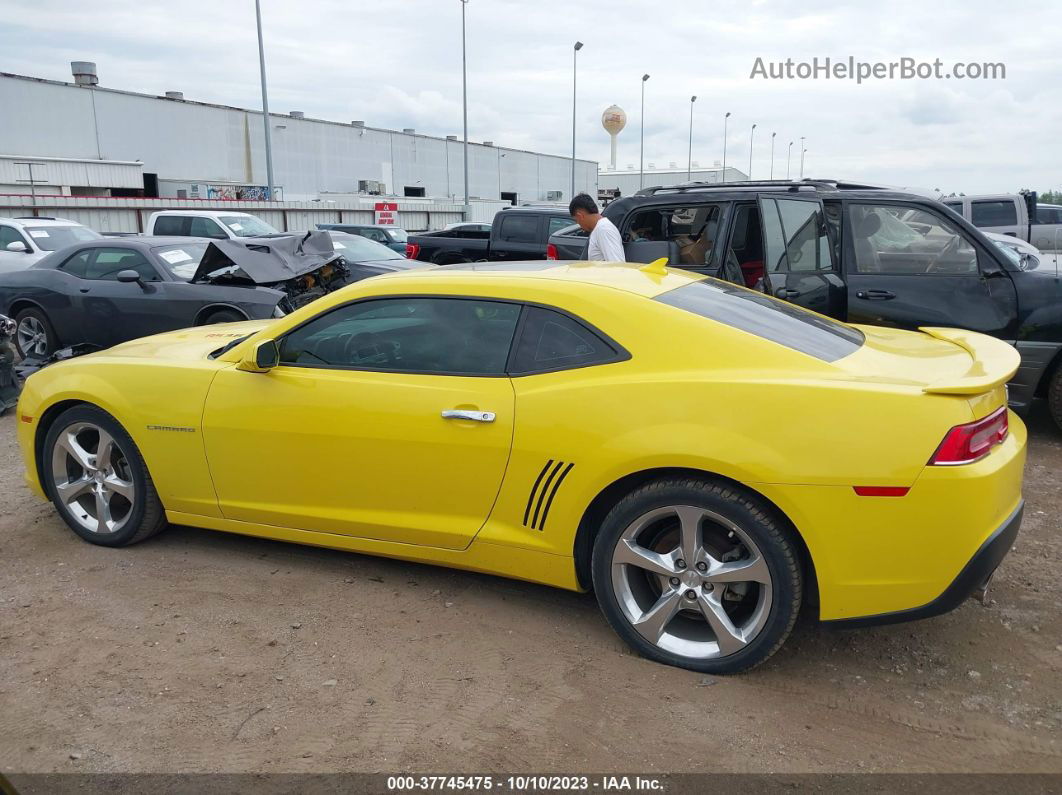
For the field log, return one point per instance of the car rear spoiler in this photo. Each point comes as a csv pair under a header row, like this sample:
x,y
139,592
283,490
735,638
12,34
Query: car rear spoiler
x,y
994,362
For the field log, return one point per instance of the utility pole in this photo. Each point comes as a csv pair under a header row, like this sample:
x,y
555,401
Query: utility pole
x,y
641,145
689,158
802,151
575,51
752,135
464,101
265,101
772,154
723,176
788,159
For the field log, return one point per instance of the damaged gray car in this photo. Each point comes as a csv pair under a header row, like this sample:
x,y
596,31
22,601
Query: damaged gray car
x,y
103,292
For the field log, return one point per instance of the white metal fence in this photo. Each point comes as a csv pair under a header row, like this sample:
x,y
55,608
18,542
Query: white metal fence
x,y
106,214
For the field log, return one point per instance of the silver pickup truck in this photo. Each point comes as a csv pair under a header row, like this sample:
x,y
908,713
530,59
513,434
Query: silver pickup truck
x,y
1016,214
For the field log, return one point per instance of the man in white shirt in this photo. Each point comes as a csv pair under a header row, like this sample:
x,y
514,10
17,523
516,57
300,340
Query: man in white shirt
x,y
605,243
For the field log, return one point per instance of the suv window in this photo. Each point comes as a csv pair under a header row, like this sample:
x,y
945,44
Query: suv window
x,y
8,234
454,336
1049,215
519,228
206,227
171,225
777,321
557,224
795,236
694,229
550,340
905,240
993,213
108,262
956,206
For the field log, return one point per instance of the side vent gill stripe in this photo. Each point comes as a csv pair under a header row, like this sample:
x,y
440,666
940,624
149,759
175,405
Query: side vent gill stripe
x,y
531,496
542,493
553,494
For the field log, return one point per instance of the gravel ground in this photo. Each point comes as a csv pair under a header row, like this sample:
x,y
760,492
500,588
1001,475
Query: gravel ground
x,y
201,651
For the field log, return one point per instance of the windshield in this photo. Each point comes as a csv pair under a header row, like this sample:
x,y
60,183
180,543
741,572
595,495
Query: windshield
x,y
247,225
354,248
397,235
53,238
182,260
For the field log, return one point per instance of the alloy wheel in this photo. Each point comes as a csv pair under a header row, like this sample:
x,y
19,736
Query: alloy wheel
x,y
691,582
92,478
32,337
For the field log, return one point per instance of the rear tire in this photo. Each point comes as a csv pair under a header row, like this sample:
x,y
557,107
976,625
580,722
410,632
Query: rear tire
x,y
98,481
34,335
1054,397
698,575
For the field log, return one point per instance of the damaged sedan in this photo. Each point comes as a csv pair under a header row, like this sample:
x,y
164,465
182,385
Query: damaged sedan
x,y
103,292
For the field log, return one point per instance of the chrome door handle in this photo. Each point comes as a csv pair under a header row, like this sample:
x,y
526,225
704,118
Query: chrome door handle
x,y
462,414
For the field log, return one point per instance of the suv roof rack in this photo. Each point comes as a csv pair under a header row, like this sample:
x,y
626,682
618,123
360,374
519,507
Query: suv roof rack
x,y
789,184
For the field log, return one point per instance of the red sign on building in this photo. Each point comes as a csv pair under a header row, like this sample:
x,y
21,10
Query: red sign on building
x,y
387,213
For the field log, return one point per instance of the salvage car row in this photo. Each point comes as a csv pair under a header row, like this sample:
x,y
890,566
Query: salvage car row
x,y
98,291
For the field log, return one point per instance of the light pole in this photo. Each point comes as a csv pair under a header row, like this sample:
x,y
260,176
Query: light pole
x,y
641,144
772,154
575,50
788,158
689,159
752,135
265,100
802,151
723,176
464,99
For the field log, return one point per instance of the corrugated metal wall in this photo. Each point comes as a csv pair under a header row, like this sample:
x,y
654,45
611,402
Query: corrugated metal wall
x,y
196,142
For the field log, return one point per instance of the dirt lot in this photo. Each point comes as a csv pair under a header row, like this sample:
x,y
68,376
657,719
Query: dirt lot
x,y
200,651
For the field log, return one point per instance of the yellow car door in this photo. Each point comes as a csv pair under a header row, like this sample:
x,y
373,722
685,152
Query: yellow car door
x,y
389,419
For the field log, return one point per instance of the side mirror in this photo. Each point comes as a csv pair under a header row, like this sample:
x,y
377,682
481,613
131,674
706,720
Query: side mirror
x,y
262,357
18,246
128,276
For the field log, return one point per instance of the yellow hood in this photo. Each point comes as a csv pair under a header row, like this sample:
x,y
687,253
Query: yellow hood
x,y
186,343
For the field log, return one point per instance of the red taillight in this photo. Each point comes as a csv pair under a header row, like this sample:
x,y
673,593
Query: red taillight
x,y
551,251
965,444
412,250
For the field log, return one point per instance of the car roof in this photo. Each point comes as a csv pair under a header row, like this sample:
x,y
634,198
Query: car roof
x,y
636,278
38,221
811,188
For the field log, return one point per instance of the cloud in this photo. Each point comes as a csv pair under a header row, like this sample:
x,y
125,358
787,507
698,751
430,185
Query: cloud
x,y
398,65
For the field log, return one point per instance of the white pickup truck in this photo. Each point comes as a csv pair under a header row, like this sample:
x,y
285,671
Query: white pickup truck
x,y
1016,214
216,224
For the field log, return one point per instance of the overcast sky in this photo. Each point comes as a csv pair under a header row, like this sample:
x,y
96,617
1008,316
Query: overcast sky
x,y
398,64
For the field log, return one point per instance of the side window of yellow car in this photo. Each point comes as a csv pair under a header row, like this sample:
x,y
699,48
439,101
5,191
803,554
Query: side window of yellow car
x,y
438,335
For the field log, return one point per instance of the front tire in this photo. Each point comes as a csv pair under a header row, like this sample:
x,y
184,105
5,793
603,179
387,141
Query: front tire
x,y
697,575
98,481
224,316
34,335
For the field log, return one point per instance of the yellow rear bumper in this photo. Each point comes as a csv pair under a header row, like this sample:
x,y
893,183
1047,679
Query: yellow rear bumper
x,y
881,555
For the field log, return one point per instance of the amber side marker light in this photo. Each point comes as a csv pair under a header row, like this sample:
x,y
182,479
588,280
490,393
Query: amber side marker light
x,y
965,444
26,418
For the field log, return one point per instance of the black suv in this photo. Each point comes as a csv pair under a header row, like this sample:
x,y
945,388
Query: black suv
x,y
858,253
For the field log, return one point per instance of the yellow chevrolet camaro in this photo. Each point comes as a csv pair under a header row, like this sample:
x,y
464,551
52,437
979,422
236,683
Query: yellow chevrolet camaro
x,y
704,457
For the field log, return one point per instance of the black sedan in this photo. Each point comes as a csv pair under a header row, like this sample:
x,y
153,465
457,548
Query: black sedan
x,y
107,291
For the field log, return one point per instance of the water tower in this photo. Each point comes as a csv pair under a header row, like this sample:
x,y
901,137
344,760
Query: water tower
x,y
613,120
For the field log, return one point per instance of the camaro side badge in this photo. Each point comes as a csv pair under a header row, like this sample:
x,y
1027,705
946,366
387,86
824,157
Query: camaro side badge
x,y
170,428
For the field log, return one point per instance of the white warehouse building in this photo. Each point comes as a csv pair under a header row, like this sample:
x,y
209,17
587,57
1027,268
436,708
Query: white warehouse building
x,y
88,140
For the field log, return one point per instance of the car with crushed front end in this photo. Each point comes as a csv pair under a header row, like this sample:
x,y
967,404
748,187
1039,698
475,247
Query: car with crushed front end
x,y
106,291
708,459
